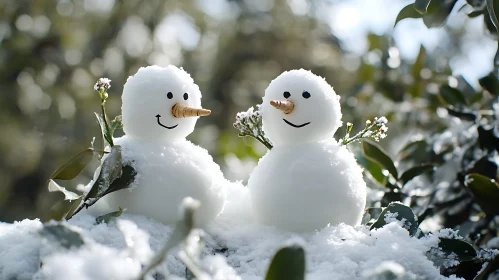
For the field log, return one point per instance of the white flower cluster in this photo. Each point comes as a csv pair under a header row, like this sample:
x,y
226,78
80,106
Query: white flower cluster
x,y
249,123
375,129
102,84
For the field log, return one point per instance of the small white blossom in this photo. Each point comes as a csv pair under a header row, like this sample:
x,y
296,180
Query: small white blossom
x,y
102,84
249,123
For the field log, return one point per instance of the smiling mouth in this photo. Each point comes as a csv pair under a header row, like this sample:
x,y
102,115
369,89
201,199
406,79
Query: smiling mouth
x,y
294,125
169,127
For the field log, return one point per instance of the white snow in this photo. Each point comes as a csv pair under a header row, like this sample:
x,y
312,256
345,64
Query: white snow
x,y
118,249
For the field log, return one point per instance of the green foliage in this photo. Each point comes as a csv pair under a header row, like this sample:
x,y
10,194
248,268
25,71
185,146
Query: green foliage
x,y
70,169
376,154
414,172
485,190
288,263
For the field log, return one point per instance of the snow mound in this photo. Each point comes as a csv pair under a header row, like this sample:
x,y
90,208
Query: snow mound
x,y
236,248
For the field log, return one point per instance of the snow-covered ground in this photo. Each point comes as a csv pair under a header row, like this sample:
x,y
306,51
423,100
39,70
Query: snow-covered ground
x,y
119,250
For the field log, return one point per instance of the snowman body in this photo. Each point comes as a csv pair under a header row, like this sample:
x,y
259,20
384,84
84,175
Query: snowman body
x,y
308,186
307,180
160,108
167,172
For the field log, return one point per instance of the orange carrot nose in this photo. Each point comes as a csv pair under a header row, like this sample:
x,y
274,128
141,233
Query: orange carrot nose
x,y
183,111
284,105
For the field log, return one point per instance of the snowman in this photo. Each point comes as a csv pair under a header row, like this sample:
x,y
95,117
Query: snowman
x,y
160,108
307,181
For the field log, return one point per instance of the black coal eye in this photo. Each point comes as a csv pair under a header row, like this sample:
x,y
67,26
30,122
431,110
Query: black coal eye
x,y
169,95
286,94
306,94
186,96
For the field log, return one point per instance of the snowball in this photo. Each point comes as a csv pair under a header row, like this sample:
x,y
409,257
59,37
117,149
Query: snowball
x,y
166,174
145,96
308,186
321,110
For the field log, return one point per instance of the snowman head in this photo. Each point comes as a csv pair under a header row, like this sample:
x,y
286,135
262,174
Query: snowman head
x,y
161,104
300,107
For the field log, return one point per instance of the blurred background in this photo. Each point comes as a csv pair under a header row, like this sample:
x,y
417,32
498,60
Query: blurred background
x,y
52,52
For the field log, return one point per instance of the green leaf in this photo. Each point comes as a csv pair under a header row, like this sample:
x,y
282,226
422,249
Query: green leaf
x,y
485,192
108,217
451,96
74,207
70,169
476,13
438,12
490,83
403,213
414,172
374,152
111,169
68,195
370,213
465,116
421,6
407,12
288,263
373,168
106,134
63,235
492,6
461,248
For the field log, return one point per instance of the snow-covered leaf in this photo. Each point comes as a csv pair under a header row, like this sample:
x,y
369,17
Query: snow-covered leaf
x,y
117,123
407,12
110,171
127,177
414,172
485,192
62,235
70,169
398,211
106,218
461,248
68,195
288,263
374,152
